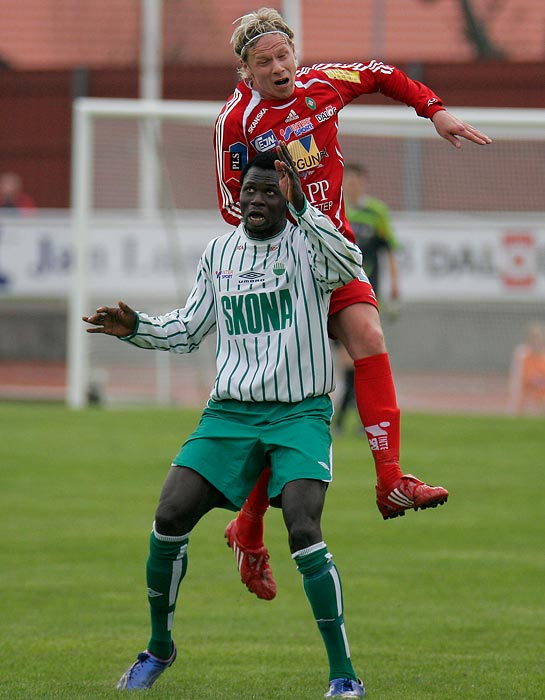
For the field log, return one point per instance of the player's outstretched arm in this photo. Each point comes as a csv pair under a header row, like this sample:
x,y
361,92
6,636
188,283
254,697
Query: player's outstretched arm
x,y
289,180
117,320
451,128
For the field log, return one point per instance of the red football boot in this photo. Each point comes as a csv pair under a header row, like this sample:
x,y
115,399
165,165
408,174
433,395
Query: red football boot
x,y
409,492
253,565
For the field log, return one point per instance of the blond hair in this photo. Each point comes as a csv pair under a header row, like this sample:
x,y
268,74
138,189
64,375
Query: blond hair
x,y
255,24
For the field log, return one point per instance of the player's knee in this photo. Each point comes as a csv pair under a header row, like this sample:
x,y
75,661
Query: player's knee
x,y
359,328
304,533
371,340
365,341
168,519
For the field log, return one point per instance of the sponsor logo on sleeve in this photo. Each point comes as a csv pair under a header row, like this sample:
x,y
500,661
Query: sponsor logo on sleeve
x,y
234,160
349,76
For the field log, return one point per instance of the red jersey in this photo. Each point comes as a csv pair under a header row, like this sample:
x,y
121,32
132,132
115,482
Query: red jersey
x,y
308,123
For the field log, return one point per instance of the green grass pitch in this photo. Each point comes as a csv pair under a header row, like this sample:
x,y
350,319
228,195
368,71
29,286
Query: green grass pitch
x,y
443,604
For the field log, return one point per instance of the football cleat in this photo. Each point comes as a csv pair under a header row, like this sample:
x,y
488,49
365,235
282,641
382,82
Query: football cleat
x,y
253,565
145,671
409,492
345,688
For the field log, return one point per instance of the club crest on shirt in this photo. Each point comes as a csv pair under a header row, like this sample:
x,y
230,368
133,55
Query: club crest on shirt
x,y
279,268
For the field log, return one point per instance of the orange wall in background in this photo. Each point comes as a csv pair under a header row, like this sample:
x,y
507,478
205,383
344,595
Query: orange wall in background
x,y
57,34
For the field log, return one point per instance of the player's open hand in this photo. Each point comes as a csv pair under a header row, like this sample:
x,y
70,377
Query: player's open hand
x,y
117,320
288,177
451,128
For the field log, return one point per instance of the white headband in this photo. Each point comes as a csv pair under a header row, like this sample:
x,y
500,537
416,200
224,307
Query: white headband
x,y
258,36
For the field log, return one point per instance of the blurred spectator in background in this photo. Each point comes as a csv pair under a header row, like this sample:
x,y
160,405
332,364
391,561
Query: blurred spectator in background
x,y
527,376
370,221
12,195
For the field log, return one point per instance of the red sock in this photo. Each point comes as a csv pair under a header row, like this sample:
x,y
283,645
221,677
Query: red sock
x,y
250,517
379,413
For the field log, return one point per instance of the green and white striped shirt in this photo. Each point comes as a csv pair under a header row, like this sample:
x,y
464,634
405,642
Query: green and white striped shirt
x,y
268,302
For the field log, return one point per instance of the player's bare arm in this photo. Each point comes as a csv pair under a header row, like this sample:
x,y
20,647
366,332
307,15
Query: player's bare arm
x,y
288,178
451,128
117,320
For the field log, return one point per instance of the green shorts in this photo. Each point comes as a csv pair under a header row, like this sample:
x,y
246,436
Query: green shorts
x,y
235,440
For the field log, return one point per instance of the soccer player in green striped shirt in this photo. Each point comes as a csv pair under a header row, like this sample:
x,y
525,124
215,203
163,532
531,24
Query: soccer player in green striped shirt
x,y
264,288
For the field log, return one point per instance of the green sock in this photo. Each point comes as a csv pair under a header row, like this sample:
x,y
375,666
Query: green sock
x,y
165,569
322,586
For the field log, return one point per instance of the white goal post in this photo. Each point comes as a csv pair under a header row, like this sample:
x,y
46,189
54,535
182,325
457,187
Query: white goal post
x,y
85,113
145,168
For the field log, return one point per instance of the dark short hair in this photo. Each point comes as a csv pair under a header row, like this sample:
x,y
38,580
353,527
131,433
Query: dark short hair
x,y
265,161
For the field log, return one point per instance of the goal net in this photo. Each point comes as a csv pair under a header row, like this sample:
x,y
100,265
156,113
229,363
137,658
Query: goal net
x,y
470,223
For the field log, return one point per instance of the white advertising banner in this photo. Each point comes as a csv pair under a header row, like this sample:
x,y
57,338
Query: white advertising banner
x,y
442,257
124,254
472,257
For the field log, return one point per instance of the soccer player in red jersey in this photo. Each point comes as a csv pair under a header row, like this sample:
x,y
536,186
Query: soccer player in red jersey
x,y
278,101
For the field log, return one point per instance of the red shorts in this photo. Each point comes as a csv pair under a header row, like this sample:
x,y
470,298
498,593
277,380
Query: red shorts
x,y
356,292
